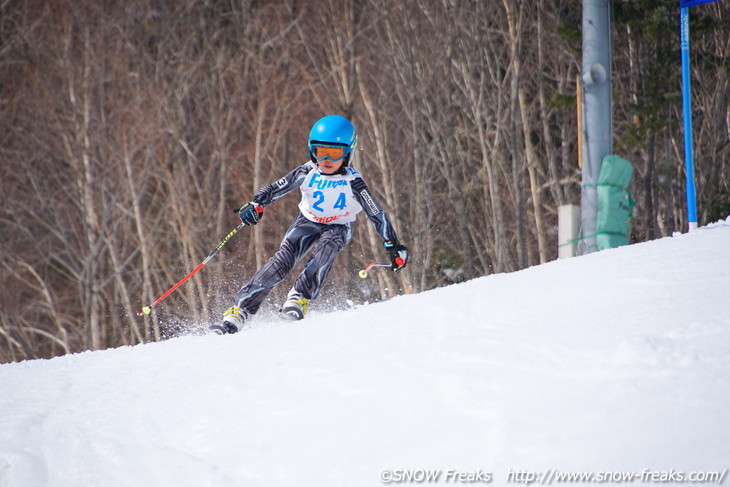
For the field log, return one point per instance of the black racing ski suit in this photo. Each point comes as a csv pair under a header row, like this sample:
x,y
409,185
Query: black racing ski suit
x,y
324,223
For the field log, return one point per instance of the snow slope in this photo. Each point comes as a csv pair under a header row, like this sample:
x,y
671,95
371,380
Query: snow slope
x,y
615,361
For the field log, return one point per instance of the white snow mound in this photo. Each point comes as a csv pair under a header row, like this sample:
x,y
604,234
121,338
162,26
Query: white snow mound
x,y
615,361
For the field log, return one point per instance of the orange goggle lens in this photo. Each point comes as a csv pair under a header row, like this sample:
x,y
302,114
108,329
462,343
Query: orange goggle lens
x,y
331,153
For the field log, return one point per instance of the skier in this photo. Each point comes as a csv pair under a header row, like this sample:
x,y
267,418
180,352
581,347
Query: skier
x,y
332,194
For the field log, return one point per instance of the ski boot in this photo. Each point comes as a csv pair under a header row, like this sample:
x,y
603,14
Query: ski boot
x,y
233,320
295,307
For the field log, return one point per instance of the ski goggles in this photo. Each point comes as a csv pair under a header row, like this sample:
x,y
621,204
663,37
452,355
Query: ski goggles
x,y
322,152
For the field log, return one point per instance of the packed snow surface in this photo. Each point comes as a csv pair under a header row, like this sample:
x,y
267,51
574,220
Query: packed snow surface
x,y
618,361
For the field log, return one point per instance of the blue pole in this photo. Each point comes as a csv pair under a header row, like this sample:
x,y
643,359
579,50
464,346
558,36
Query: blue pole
x,y
687,106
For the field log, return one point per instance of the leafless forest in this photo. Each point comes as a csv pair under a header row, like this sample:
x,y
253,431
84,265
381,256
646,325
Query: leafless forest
x,y
131,130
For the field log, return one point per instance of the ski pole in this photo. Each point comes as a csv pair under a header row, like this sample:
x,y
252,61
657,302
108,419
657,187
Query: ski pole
x,y
364,273
146,310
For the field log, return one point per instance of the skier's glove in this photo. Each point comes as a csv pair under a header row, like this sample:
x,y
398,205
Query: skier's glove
x,y
251,213
398,254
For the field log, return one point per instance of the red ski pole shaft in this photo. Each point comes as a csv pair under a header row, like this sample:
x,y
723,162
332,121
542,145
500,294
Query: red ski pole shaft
x,y
364,273
146,310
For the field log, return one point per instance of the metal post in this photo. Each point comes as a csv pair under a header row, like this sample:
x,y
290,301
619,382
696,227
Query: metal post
x,y
687,107
597,111
568,225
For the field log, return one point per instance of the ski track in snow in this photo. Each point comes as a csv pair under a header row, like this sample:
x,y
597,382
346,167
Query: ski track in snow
x,y
615,361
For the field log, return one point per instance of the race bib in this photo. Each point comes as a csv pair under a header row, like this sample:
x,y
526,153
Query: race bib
x,y
328,198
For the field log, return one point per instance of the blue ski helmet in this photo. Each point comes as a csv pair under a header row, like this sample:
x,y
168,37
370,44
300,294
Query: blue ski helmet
x,y
333,131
